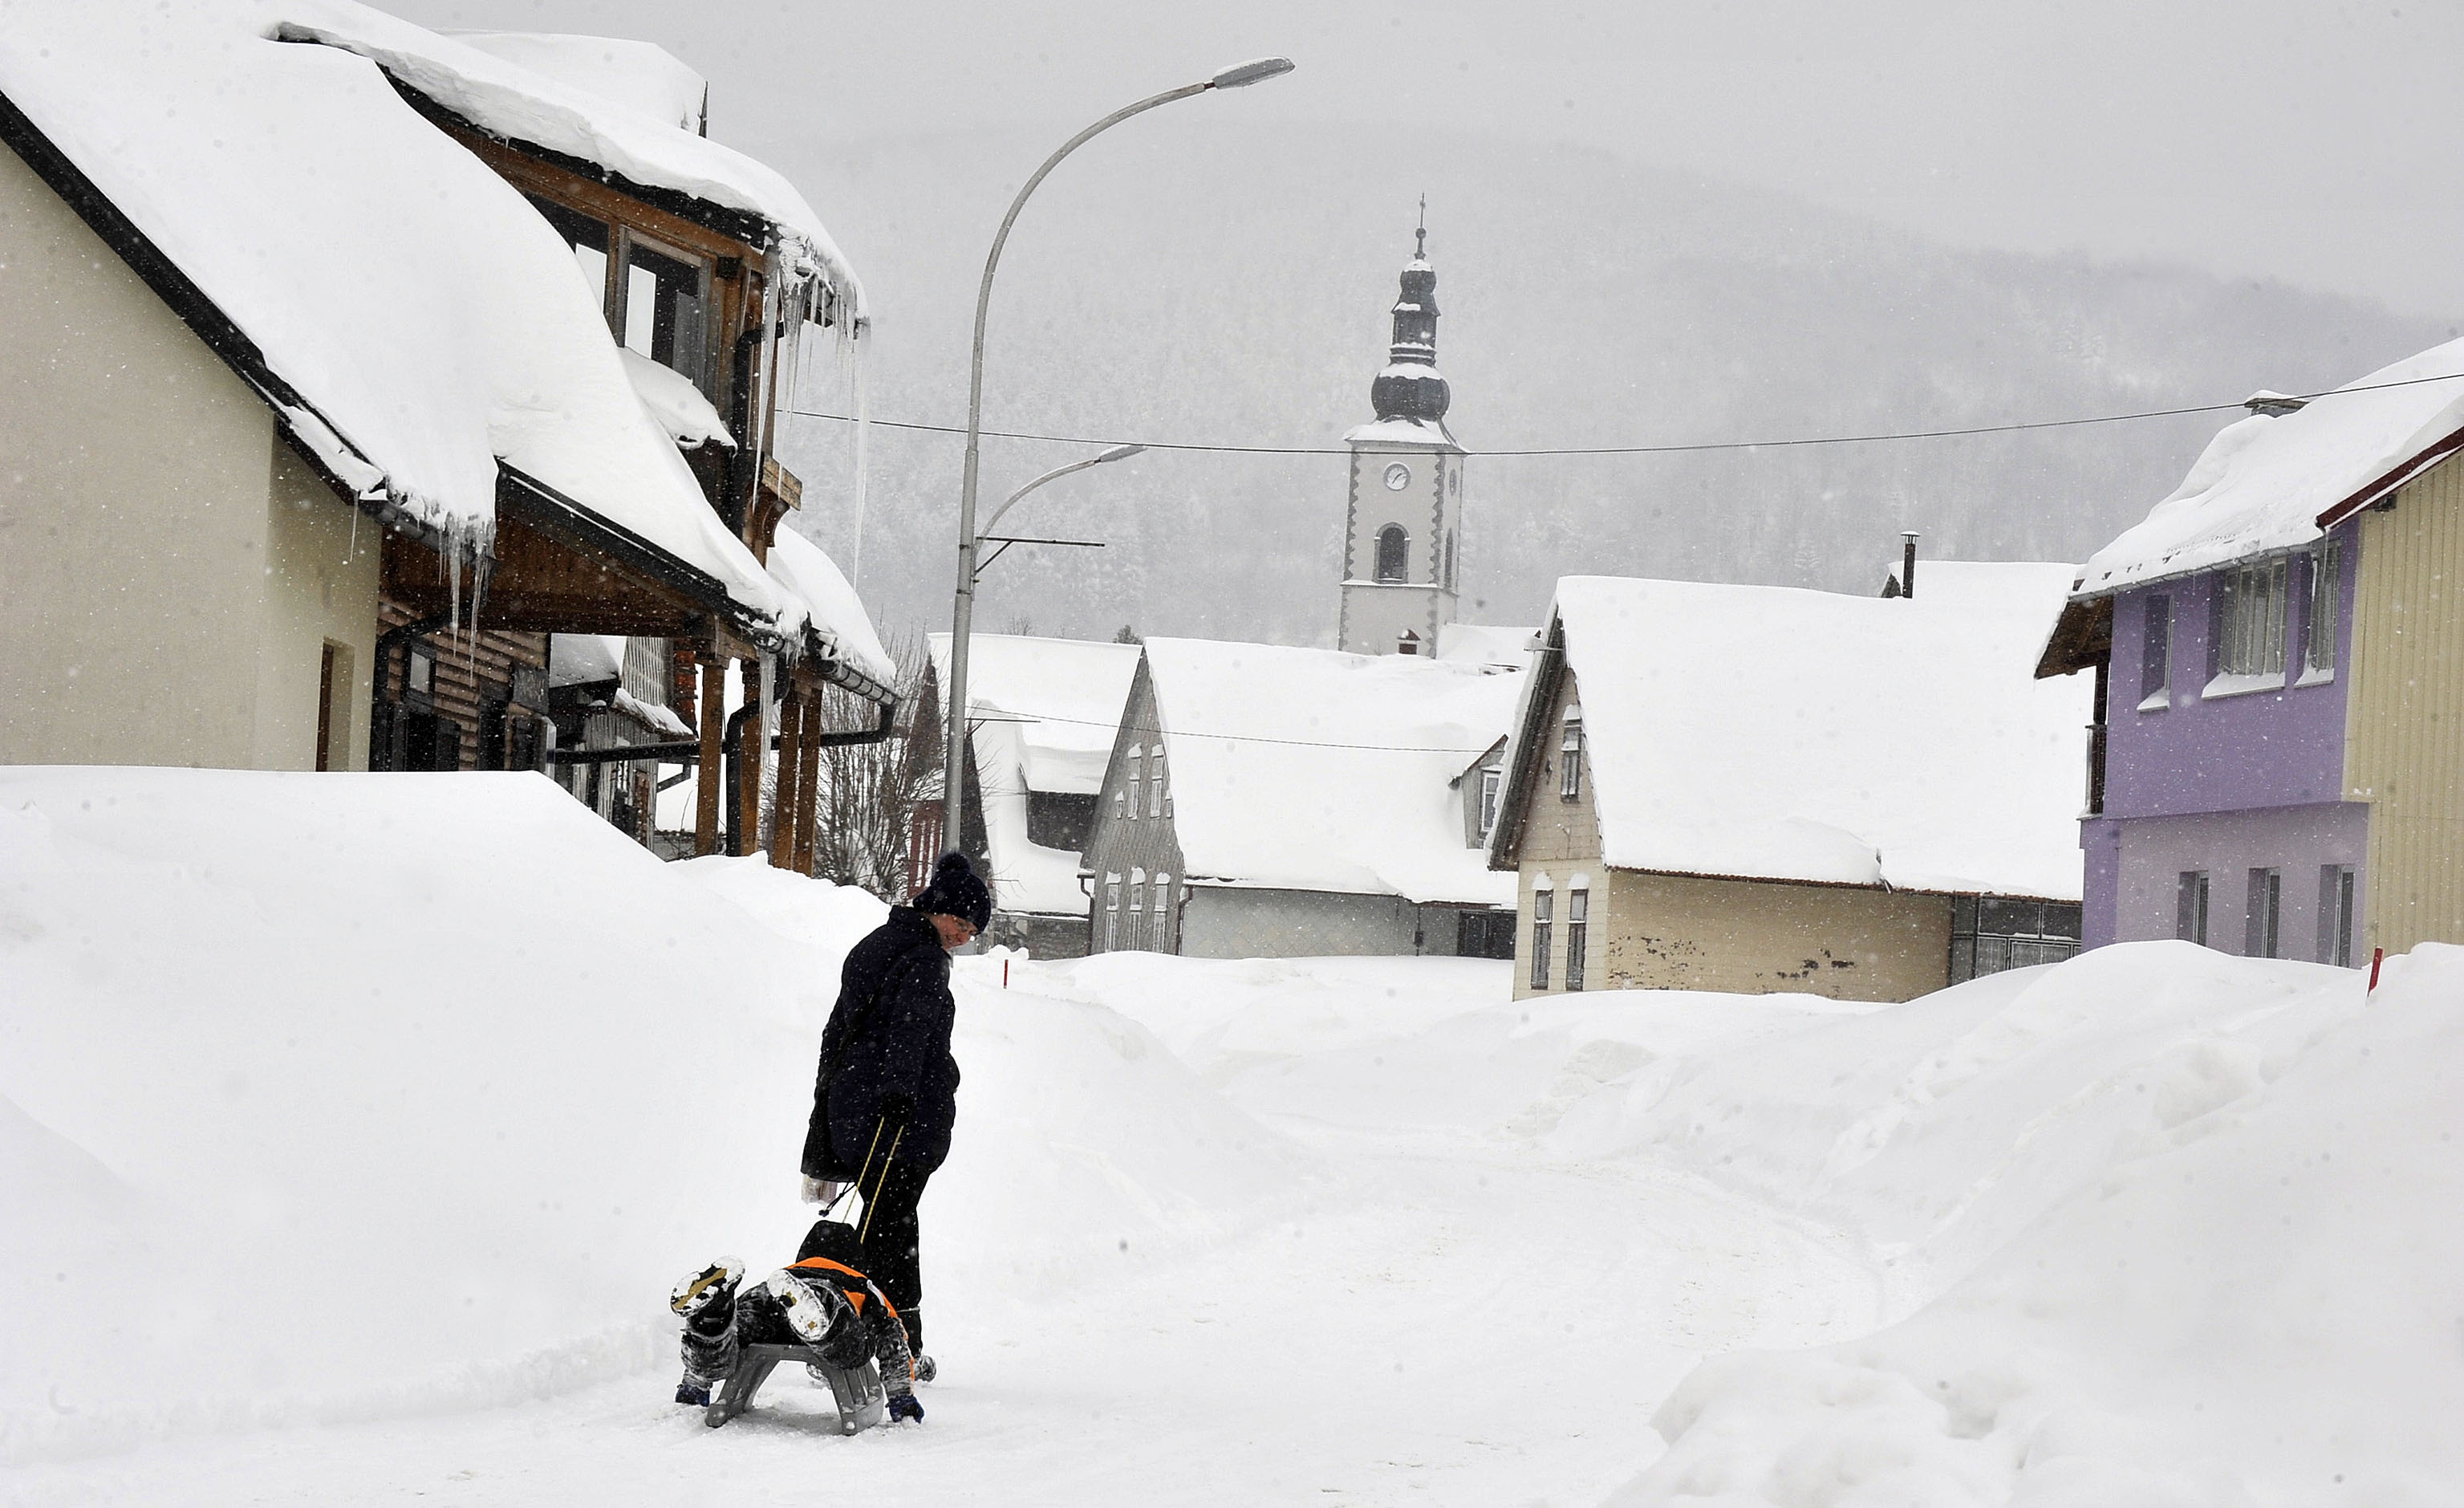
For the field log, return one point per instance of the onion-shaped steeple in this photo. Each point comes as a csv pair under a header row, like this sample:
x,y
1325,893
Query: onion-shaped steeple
x,y
1410,386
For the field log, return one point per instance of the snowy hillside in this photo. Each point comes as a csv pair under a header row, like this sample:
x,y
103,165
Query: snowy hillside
x,y
1211,279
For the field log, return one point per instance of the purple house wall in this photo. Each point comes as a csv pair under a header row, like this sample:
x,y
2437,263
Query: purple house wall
x,y
2224,782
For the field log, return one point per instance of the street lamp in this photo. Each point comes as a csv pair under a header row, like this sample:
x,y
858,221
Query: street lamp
x,y
1118,453
962,613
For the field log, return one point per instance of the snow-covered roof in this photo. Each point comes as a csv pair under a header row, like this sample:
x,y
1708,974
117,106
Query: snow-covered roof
x,y
578,659
1044,713
485,86
1063,696
1313,769
801,567
1483,644
2262,482
1402,431
1771,733
429,318
675,402
643,76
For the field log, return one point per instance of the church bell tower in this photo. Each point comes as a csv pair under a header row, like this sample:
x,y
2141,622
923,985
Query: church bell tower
x,y
1406,508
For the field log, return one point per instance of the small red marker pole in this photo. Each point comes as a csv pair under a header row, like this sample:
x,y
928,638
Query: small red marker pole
x,y
2378,956
2374,974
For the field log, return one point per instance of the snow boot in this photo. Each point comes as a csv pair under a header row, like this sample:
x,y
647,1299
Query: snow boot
x,y
926,1369
694,1391
804,1313
710,1285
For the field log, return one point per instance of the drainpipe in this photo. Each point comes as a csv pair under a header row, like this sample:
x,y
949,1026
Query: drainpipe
x,y
388,642
732,790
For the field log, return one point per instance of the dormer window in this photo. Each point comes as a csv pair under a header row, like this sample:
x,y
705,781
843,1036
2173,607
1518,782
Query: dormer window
x,y
1394,554
660,307
667,309
1570,756
1491,780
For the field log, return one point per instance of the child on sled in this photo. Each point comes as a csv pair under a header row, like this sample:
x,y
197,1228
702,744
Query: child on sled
x,y
820,1301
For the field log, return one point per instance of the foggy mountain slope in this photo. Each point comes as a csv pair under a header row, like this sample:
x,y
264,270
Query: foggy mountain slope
x,y
1197,280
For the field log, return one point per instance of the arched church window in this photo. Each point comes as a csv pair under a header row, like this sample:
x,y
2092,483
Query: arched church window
x,y
1394,554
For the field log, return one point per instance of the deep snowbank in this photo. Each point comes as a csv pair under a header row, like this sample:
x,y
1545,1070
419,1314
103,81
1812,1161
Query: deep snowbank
x,y
342,1095
2206,1209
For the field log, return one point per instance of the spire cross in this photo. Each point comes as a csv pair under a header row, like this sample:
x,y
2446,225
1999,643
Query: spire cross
x,y
1421,236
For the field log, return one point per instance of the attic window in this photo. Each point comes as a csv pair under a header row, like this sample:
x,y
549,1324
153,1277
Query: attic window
x,y
667,310
1570,756
1137,763
1154,781
1394,554
1490,780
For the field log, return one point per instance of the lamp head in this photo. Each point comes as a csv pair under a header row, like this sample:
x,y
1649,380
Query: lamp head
x,y
1120,452
1257,70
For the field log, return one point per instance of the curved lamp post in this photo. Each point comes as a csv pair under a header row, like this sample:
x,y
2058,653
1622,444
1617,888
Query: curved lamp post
x,y
962,615
1118,453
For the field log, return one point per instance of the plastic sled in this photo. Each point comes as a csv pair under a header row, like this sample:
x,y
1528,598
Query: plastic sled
x,y
861,1402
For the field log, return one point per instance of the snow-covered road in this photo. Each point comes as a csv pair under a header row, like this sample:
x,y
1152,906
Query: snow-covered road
x,y
1445,1317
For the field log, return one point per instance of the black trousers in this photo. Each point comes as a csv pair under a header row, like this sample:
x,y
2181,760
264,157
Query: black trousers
x,y
892,1241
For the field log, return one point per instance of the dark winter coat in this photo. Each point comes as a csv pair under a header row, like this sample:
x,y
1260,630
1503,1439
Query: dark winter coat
x,y
888,1038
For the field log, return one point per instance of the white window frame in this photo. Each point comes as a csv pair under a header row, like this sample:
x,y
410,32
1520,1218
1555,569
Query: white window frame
x,y
1544,905
1578,928
1112,912
2250,629
1154,781
1569,754
1492,785
1137,768
2322,620
1163,898
2155,664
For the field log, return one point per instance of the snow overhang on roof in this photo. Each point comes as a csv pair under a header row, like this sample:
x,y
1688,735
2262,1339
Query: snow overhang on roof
x,y
2270,484
1768,733
416,326
1060,701
839,622
479,81
1312,769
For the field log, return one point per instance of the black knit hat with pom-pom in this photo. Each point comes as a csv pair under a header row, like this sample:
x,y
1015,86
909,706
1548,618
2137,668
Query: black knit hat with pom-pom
x,y
956,890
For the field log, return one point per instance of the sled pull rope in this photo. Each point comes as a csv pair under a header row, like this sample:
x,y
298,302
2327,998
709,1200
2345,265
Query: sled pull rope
x,y
858,1185
881,1182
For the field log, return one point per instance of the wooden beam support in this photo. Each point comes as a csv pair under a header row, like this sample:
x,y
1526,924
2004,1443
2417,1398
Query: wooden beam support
x,y
791,776
809,788
707,776
752,744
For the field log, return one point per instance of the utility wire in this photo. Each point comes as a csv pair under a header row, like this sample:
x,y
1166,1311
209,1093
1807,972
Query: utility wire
x,y
1236,738
1648,450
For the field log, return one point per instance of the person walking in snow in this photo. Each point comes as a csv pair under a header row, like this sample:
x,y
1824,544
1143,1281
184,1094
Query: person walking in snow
x,y
818,1302
885,1095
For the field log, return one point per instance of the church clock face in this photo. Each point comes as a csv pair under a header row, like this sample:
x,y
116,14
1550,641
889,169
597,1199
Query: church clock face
x,y
1397,476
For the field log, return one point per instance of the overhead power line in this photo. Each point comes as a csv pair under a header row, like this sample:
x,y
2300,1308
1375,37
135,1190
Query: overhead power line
x,y
1235,737
1786,443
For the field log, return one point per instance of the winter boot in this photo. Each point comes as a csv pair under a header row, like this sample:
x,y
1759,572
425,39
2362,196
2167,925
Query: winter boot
x,y
712,1285
802,1308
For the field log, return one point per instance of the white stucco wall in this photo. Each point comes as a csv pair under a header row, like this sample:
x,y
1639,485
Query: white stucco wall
x,y
168,574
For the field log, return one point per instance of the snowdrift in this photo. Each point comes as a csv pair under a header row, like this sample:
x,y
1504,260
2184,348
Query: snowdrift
x,y
340,1096
2196,1214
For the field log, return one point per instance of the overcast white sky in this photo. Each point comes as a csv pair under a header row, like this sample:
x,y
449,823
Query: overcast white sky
x,y
2316,142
